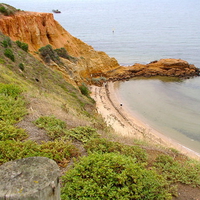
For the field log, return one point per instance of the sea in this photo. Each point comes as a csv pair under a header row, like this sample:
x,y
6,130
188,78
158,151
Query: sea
x,y
141,31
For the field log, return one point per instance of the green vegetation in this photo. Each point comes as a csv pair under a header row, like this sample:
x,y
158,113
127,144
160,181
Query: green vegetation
x,y
62,52
55,128
101,145
9,53
112,176
22,45
13,106
187,173
82,133
5,11
21,66
48,54
6,42
59,150
84,90
9,132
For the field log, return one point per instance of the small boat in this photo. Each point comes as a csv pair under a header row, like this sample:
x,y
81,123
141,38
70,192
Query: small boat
x,y
56,11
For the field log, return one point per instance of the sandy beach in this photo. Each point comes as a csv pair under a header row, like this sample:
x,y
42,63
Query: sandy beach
x,y
125,124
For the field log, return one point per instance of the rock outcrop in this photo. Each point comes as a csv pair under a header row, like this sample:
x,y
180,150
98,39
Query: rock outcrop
x,y
164,67
40,29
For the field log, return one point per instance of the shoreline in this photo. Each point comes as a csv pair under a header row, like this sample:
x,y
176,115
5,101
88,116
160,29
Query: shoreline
x,y
125,124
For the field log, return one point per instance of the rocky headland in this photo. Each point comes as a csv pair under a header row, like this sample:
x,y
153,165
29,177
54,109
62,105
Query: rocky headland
x,y
41,29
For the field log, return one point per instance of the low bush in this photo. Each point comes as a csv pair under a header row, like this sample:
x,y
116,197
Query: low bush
x,y
84,90
60,151
112,176
21,66
9,54
10,90
13,106
5,11
55,127
82,133
187,172
22,45
101,145
9,132
47,53
62,52
6,42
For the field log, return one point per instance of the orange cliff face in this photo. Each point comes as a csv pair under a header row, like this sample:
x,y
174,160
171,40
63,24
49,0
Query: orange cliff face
x,y
40,29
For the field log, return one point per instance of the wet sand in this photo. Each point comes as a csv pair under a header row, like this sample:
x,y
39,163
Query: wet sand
x,y
125,124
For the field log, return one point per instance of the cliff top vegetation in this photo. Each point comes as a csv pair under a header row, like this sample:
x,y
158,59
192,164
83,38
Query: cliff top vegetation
x,y
7,10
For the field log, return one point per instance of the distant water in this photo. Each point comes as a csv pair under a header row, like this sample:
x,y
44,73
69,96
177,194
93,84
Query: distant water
x,y
142,31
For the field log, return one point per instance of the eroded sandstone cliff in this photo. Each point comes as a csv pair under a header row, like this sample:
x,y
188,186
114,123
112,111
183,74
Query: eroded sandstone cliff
x,y
40,29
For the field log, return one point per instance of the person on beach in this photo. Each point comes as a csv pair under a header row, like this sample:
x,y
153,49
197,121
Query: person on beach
x,y
120,104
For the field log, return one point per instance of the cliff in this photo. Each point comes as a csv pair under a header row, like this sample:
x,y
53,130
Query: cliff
x,y
40,29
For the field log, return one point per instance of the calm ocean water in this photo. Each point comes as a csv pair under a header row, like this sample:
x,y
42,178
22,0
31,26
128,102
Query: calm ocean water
x,y
142,31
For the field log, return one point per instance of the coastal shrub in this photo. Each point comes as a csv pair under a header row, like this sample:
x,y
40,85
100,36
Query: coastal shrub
x,y
9,54
47,53
102,145
6,42
5,11
12,150
55,127
60,151
13,106
10,90
10,132
84,90
112,176
62,52
186,172
82,133
21,66
22,45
